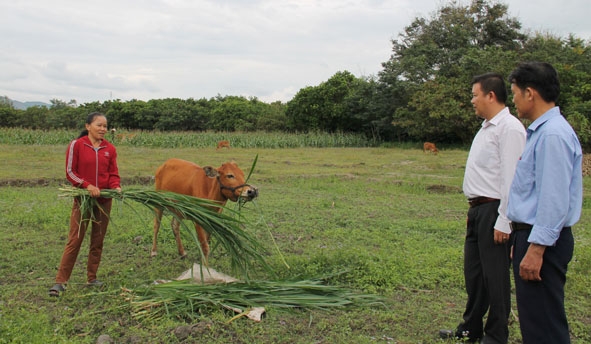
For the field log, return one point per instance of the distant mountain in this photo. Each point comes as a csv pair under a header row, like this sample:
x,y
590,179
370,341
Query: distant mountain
x,y
25,105
21,105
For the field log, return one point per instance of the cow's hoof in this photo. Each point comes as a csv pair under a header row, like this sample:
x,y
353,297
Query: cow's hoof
x,y
153,254
183,256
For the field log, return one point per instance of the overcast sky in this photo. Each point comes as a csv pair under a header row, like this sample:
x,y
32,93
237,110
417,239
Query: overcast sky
x,y
269,49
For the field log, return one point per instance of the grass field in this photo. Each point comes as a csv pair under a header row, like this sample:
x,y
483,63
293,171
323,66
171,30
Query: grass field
x,y
392,219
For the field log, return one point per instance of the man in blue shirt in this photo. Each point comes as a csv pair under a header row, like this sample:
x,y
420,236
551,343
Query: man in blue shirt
x,y
545,200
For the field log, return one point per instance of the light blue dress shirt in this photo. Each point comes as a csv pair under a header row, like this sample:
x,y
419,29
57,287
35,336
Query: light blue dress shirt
x,y
547,190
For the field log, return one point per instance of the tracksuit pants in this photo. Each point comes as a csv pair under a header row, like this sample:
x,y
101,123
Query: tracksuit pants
x,y
78,228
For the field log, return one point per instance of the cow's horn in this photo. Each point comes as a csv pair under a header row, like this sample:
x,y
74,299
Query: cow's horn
x,y
210,172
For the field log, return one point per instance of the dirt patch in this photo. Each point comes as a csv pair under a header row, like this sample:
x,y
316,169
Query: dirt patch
x,y
443,189
31,182
148,180
586,165
138,180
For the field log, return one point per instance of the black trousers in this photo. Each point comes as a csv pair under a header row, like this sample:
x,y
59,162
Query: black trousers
x,y
487,277
542,317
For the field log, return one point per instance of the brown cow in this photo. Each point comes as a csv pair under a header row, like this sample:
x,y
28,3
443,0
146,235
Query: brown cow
x,y
120,137
223,143
187,178
124,137
430,146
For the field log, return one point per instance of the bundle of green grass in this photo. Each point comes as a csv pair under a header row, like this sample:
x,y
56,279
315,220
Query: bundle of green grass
x,y
224,227
187,297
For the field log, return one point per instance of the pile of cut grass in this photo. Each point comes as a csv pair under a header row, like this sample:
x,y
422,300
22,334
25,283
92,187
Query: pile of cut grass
x,y
186,299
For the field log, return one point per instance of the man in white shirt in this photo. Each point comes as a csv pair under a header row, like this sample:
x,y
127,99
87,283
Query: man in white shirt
x,y
489,172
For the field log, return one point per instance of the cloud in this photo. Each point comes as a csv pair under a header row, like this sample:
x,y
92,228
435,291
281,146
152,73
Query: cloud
x,y
194,49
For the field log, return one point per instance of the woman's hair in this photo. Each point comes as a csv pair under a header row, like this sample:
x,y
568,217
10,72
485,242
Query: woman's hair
x,y
540,76
89,120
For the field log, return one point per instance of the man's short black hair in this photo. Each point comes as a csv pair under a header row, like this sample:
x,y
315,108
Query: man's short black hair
x,y
540,76
492,82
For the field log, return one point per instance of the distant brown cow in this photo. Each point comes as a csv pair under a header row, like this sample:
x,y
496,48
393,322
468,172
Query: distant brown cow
x,y
124,137
223,143
187,178
430,146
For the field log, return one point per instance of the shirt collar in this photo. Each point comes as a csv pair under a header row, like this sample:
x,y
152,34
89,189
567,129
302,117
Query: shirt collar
x,y
553,112
497,118
86,140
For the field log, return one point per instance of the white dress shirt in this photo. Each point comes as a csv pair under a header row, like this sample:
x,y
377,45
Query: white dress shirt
x,y
492,160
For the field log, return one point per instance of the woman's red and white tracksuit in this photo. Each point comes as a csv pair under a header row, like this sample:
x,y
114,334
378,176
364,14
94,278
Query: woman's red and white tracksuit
x,y
87,165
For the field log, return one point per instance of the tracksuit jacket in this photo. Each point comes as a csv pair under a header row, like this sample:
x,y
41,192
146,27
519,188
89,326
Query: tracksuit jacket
x,y
86,165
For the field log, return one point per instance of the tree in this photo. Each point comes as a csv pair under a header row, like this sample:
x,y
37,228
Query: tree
x,y
7,112
60,104
66,118
571,57
365,106
232,113
434,60
170,114
334,105
200,114
273,117
130,114
302,109
34,117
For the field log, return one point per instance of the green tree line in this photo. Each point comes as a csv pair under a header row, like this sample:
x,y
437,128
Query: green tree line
x,y
421,94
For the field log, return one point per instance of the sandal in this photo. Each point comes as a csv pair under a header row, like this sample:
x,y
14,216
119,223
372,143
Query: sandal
x,y
56,290
95,283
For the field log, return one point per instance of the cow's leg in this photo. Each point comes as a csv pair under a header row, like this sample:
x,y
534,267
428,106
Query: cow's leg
x,y
177,236
203,237
157,221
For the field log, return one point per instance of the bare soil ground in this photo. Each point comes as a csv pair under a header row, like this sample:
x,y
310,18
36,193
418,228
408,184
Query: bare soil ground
x,y
147,180
587,165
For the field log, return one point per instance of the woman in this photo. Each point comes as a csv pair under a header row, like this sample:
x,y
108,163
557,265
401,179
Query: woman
x,y
91,163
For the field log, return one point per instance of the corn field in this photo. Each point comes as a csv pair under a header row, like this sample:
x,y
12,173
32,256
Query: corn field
x,y
156,139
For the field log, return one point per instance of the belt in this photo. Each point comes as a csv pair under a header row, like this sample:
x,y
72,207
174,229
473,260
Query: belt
x,y
476,201
517,226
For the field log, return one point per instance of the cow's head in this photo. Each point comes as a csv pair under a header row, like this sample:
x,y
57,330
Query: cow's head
x,y
232,182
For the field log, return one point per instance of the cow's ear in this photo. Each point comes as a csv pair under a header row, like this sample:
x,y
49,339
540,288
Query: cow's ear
x,y
210,171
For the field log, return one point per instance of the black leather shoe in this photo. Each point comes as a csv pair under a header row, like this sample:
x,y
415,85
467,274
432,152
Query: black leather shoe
x,y
447,334
456,334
